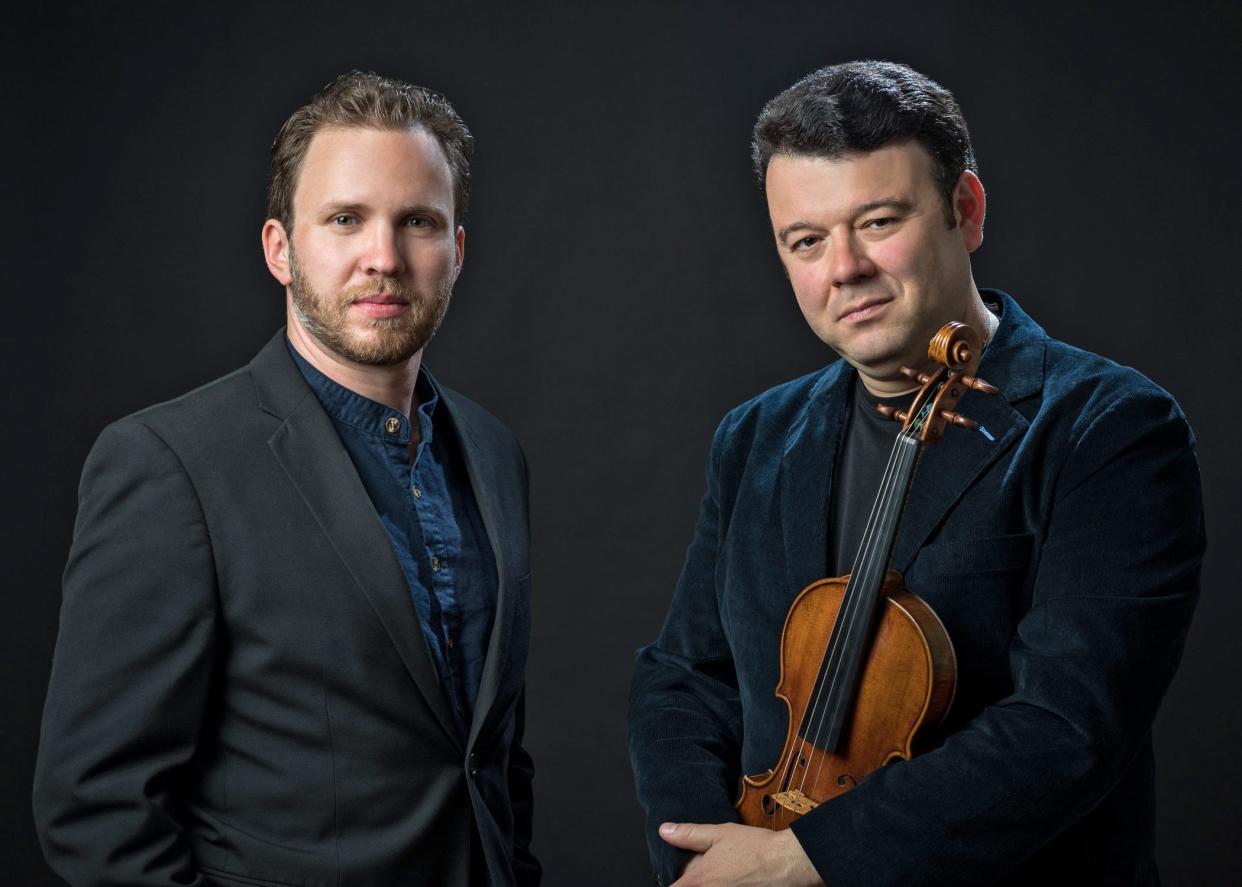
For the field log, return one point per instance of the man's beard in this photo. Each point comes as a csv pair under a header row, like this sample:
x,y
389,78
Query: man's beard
x,y
396,339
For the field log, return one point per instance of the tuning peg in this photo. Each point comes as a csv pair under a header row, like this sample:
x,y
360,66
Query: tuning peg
x,y
921,378
959,420
891,412
979,385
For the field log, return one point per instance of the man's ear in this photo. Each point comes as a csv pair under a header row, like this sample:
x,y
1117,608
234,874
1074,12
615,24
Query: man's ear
x,y
969,208
459,238
276,251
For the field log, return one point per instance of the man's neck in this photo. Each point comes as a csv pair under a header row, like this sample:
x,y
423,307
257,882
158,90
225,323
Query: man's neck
x,y
392,386
978,317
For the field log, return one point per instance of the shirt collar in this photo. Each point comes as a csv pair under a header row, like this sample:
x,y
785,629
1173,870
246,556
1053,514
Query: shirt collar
x,y
368,416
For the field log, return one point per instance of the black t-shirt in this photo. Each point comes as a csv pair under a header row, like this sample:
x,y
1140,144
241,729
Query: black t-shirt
x,y
865,451
860,468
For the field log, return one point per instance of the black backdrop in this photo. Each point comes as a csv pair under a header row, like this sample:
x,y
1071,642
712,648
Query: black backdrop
x,y
619,292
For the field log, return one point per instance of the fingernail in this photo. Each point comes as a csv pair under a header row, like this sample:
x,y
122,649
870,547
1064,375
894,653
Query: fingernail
x,y
669,828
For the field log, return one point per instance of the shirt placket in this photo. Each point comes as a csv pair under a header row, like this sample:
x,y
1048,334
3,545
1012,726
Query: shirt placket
x,y
429,503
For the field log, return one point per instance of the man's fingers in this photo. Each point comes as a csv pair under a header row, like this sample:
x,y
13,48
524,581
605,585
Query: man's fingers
x,y
690,835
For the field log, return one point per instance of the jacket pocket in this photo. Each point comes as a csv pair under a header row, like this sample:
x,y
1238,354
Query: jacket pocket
x,y
969,557
215,876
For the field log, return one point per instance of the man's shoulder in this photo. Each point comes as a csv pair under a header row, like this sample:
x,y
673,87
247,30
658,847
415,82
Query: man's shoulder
x,y
1090,389
1069,367
1059,385
210,409
213,418
775,410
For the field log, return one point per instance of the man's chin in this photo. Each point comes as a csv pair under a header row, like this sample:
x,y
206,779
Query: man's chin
x,y
380,349
882,356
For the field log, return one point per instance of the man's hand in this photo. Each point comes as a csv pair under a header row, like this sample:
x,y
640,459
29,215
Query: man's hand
x,y
737,855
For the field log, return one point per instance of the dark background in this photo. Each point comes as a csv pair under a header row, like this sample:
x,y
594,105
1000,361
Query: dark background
x,y
620,293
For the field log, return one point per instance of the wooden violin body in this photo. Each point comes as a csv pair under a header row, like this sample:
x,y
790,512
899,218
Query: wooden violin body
x,y
907,684
867,669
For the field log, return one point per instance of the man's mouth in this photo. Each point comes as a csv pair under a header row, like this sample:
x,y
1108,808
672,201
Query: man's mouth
x,y
864,310
381,305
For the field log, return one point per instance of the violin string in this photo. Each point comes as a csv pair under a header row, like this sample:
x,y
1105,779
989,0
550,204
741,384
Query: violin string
x,y
815,717
854,610
820,684
852,616
857,616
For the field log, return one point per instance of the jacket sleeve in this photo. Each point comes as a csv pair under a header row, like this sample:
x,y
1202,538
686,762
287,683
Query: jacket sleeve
x,y
685,710
526,867
131,671
1117,580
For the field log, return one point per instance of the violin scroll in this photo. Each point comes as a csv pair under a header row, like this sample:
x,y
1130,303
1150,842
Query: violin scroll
x,y
956,347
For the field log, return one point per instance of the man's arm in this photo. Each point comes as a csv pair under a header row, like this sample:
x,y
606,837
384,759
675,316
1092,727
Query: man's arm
x,y
685,711
1117,582
131,670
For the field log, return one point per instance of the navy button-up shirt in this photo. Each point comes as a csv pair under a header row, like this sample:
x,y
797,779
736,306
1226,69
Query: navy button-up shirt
x,y
428,508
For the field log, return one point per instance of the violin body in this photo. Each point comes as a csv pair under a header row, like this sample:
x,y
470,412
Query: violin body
x,y
906,685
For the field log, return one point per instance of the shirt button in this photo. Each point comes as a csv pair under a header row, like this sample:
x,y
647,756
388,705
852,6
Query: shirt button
x,y
392,424
435,563
472,764
450,643
418,494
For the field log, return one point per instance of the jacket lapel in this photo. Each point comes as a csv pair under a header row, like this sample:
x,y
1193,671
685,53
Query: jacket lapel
x,y
1013,362
307,446
810,452
504,514
947,469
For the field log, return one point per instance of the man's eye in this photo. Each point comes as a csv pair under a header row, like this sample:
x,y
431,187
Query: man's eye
x,y
343,219
879,223
418,222
806,242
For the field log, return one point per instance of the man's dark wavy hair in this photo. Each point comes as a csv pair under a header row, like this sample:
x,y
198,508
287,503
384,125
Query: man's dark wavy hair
x,y
857,107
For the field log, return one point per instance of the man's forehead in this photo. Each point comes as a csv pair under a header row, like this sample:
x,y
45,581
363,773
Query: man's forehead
x,y
346,142
902,157
896,170
340,159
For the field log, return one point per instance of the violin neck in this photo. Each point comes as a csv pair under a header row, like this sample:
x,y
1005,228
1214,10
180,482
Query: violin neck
x,y
838,674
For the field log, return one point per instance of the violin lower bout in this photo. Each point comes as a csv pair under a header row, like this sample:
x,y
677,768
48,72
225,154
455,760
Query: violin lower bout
x,y
906,687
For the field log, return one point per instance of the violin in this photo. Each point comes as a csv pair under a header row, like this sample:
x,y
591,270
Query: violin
x,y
867,668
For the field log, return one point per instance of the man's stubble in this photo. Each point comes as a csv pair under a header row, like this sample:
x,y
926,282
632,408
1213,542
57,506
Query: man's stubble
x,y
399,338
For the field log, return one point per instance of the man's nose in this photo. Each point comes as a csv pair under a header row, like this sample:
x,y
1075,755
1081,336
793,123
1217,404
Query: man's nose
x,y
385,254
849,262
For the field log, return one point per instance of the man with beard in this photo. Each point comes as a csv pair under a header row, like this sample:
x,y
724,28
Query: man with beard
x,y
295,614
1067,605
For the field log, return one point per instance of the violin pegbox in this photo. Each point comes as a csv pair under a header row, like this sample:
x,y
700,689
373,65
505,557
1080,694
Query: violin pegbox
x,y
956,347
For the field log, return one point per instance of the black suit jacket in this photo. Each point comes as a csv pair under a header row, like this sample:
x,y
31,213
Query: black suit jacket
x,y
241,691
1061,549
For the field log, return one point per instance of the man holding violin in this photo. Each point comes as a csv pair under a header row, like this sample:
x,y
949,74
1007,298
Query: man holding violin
x,y
1066,607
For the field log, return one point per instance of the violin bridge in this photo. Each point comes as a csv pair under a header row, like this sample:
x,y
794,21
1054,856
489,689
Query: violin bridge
x,y
796,801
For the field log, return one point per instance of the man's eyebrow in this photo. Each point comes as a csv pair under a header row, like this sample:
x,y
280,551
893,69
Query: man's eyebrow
x,y
790,228
423,209
897,204
343,206
900,204
340,206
